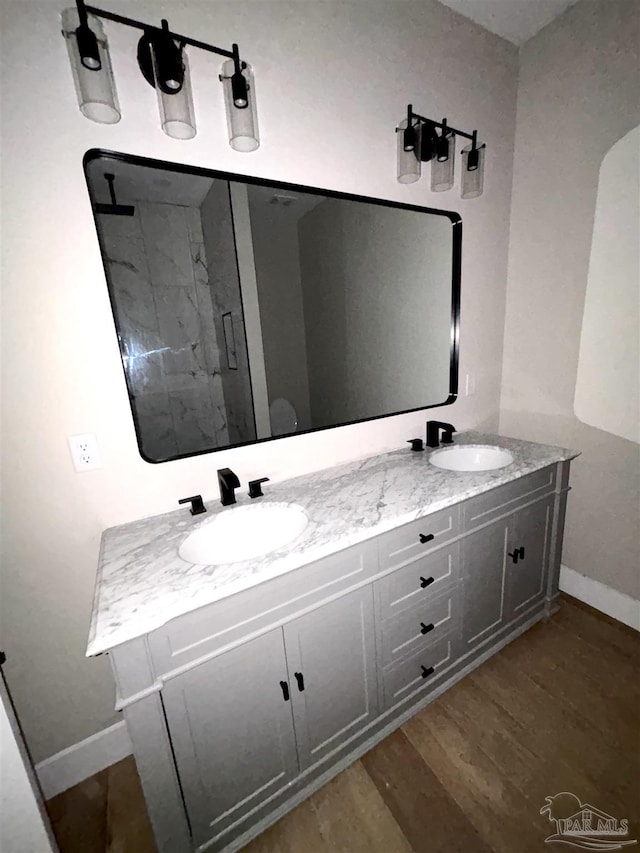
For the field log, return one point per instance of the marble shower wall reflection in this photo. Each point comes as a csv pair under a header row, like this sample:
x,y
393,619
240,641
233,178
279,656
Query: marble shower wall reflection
x,y
168,333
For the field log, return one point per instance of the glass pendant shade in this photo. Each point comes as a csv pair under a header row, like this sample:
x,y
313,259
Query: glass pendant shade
x,y
442,171
242,121
175,101
409,167
91,67
472,179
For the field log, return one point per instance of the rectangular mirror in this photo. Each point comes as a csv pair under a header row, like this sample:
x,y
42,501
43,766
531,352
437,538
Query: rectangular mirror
x,y
247,309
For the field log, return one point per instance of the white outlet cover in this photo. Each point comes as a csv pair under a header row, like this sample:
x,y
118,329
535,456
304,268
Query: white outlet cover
x,y
469,385
85,452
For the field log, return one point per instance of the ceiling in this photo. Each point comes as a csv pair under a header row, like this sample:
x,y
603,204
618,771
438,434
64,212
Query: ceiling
x,y
514,20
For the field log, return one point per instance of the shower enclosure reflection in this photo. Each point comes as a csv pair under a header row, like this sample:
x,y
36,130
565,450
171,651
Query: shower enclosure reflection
x,y
236,301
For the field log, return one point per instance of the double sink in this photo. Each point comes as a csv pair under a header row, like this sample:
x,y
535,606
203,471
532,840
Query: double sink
x,y
247,532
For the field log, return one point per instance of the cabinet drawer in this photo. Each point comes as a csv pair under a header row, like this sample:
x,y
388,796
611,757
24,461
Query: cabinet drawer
x,y
232,620
420,626
497,502
404,545
419,582
419,671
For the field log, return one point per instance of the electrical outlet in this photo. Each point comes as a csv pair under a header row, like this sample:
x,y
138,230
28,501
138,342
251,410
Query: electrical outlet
x,y
469,385
85,452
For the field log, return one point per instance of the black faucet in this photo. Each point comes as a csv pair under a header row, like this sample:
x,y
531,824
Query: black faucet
x,y
228,481
433,433
255,487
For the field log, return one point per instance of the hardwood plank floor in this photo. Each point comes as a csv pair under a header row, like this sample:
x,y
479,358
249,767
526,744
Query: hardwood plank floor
x,y
556,710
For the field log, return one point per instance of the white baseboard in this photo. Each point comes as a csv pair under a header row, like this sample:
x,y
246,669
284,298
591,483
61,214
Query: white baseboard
x,y
83,759
605,599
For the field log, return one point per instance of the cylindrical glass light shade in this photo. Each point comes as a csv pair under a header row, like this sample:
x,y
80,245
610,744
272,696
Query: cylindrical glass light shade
x,y
472,180
242,122
177,116
409,166
95,88
442,170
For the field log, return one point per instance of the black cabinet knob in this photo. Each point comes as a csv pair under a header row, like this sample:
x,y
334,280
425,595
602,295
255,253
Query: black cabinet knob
x,y
285,690
300,679
424,629
427,671
516,554
426,537
424,582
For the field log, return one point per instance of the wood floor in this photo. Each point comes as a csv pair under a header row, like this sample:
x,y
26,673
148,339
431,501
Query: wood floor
x,y
557,710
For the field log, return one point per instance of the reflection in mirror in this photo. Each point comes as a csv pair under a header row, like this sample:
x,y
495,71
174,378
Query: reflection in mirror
x,y
247,310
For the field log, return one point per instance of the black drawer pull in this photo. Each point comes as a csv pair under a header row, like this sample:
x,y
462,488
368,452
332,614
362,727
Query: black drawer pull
x,y
426,537
424,629
424,582
285,690
517,554
426,671
300,679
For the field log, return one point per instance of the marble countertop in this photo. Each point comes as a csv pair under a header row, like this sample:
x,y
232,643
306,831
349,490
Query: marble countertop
x,y
142,583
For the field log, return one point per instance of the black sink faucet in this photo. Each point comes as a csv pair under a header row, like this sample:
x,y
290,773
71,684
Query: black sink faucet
x,y
228,481
434,428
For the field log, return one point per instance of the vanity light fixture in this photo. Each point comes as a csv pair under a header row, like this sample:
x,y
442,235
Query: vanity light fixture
x,y
473,169
422,140
164,64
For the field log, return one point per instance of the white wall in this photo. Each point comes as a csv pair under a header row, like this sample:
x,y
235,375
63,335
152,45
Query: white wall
x,y
62,371
24,825
578,95
607,394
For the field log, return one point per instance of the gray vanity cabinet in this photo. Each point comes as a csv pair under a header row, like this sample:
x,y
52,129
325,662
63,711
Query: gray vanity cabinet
x,y
505,569
485,570
232,733
239,710
528,557
332,671
245,723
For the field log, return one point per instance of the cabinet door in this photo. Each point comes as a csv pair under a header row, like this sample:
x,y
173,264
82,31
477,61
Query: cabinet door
x,y
529,533
232,733
484,572
331,660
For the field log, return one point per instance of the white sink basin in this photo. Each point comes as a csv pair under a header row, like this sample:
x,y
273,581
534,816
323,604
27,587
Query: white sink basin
x,y
243,533
471,457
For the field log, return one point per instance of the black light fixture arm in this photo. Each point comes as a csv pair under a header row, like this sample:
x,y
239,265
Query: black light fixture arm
x,y
82,13
164,64
416,118
148,28
235,55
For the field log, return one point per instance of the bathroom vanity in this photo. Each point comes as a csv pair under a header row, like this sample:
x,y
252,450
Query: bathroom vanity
x,y
247,686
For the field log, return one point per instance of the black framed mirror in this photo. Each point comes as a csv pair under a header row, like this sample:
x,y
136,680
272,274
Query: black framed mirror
x,y
248,310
